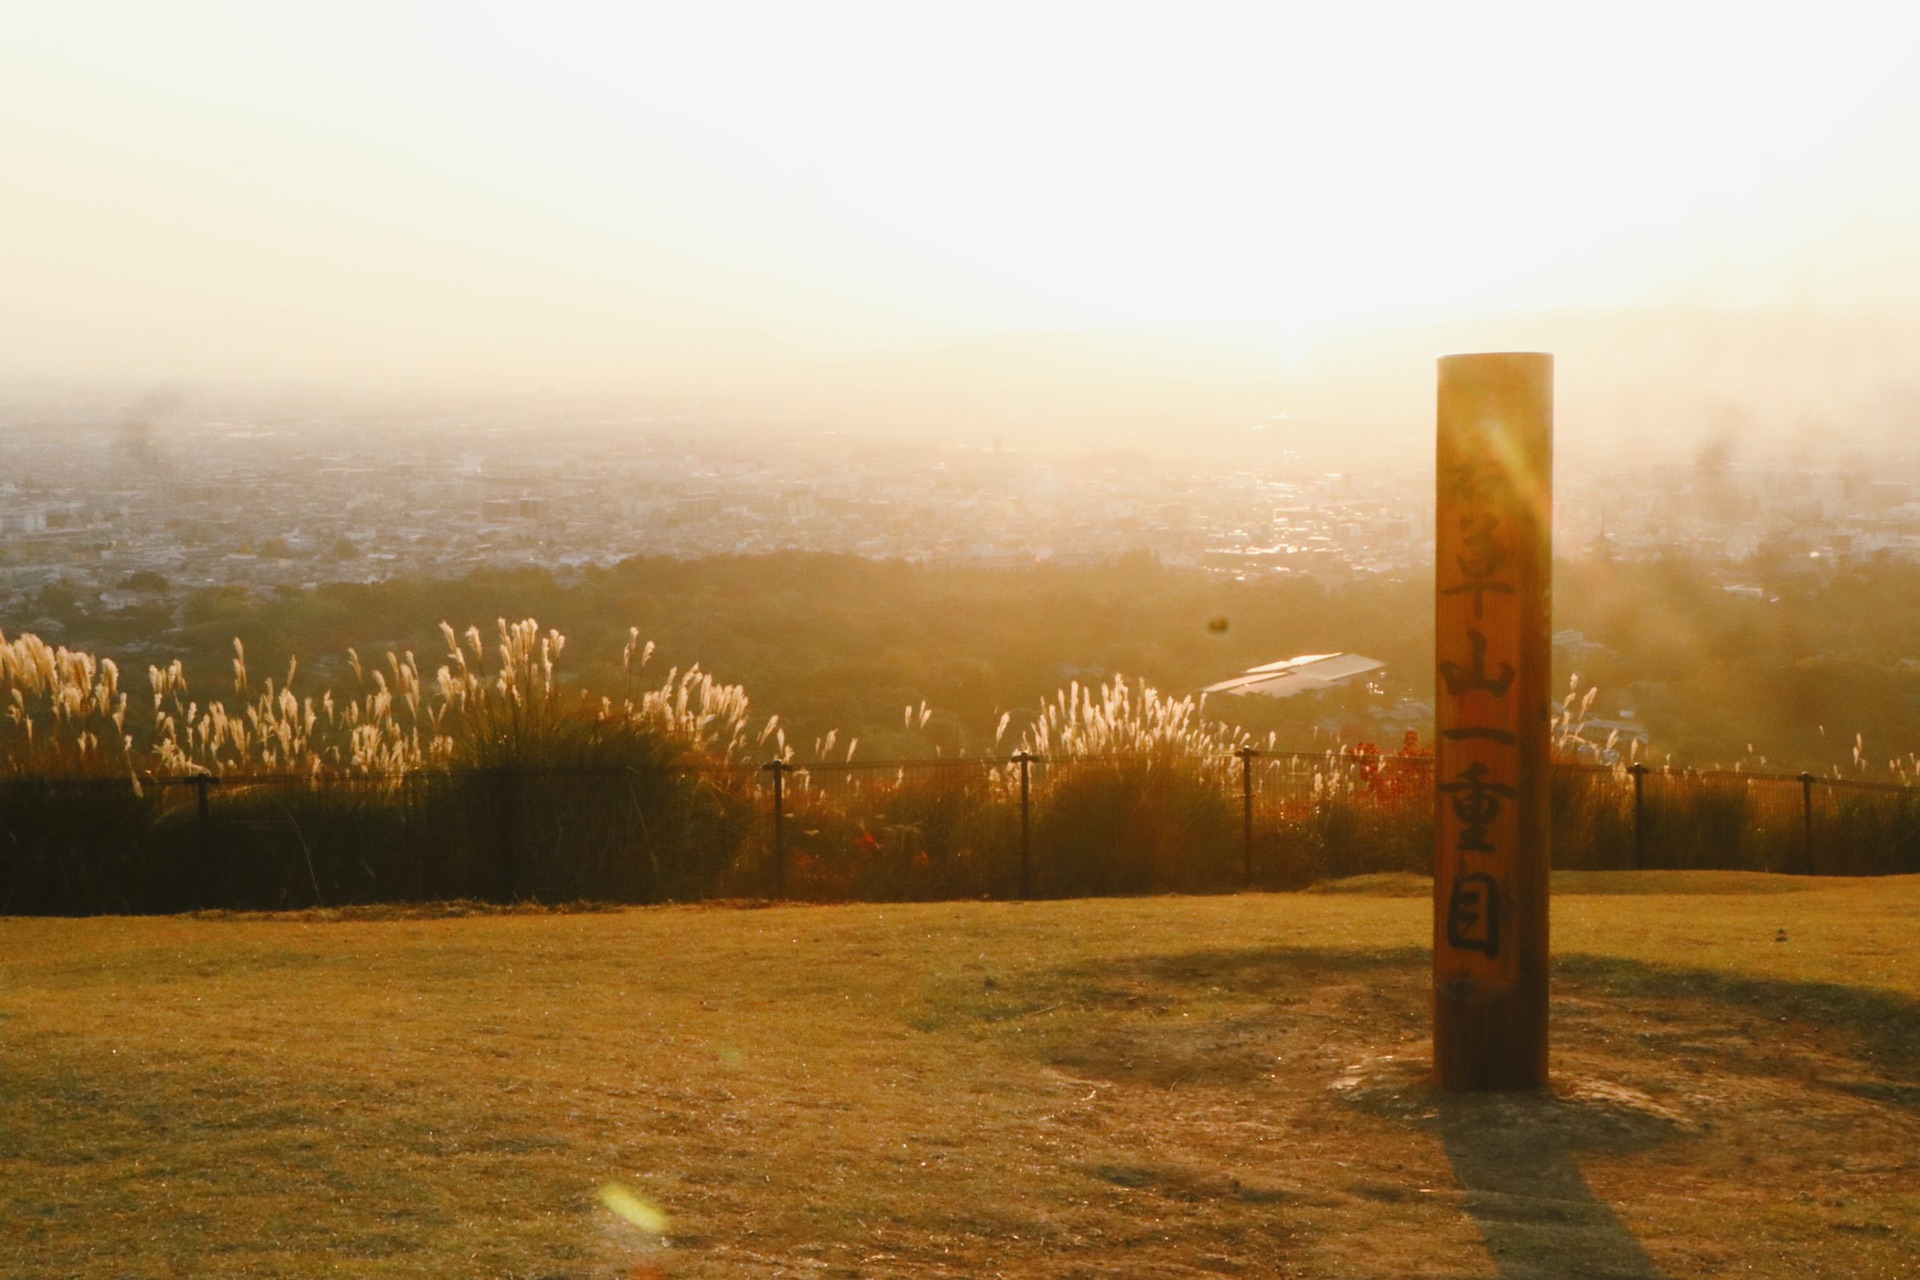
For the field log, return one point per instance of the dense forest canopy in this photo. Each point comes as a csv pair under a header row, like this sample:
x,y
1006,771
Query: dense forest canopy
x,y
1786,656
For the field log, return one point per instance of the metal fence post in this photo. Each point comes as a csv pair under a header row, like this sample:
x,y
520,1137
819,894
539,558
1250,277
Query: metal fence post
x,y
1639,772
507,796
1247,756
1806,814
1025,759
200,783
213,874
779,769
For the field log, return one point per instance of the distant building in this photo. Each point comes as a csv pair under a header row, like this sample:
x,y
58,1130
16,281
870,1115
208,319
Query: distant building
x,y
1306,674
1576,645
23,520
1247,559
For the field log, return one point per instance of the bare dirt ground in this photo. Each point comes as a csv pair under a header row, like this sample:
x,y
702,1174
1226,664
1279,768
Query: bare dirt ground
x,y
1152,1087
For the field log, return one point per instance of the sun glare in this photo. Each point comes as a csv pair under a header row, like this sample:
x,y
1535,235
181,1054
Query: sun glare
x,y
504,183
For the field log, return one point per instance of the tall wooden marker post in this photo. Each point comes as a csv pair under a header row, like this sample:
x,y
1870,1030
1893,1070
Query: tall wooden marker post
x,y
1493,585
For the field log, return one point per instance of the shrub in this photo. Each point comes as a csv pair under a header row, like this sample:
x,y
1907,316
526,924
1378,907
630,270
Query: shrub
x,y
65,714
501,783
1592,818
1136,797
927,831
1344,812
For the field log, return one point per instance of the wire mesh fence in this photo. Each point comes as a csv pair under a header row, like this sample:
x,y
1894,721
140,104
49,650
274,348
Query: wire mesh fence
x,y
1018,827
1318,816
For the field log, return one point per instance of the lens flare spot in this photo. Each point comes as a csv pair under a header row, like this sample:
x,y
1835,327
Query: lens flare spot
x,y
643,1214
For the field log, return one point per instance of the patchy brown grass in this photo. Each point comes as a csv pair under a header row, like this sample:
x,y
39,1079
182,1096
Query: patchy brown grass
x,y
1145,1087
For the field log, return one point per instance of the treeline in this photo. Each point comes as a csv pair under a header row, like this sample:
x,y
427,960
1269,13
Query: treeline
x,y
827,642
1797,668
1786,661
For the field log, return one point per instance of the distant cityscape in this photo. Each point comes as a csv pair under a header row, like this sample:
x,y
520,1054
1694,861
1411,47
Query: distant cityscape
x,y
118,512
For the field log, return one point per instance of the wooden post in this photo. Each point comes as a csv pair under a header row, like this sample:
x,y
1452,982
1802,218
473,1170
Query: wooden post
x,y
1493,585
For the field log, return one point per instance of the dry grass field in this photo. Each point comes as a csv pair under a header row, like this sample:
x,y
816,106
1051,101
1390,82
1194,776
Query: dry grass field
x,y
1142,1087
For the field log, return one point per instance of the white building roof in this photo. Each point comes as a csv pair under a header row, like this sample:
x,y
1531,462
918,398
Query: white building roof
x,y
1303,674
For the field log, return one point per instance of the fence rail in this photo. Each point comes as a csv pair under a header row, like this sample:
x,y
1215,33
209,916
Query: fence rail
x,y
1023,826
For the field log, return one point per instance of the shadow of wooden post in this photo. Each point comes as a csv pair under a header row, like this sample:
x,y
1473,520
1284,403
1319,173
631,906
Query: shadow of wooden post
x,y
1525,1191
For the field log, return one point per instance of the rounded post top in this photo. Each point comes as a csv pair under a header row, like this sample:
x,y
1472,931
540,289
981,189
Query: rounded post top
x,y
1488,368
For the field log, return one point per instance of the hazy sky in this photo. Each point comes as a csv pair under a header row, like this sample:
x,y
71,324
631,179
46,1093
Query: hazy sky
x,y
501,193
